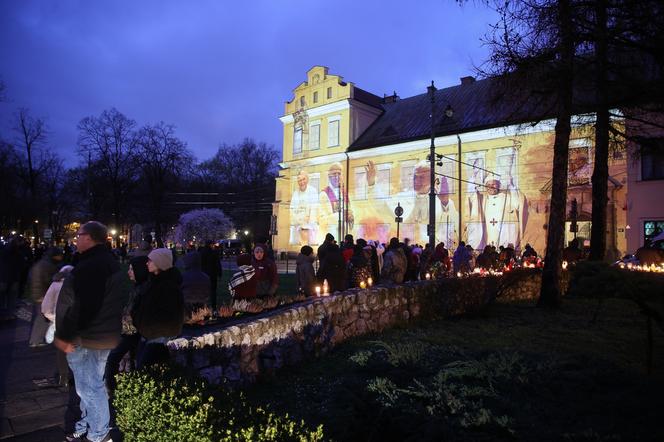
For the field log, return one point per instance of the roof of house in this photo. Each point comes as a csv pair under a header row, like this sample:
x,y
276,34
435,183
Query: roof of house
x,y
476,105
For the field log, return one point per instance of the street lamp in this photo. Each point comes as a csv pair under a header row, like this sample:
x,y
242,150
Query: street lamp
x,y
431,228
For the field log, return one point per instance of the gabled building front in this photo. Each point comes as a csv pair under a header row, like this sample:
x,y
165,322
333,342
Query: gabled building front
x,y
350,157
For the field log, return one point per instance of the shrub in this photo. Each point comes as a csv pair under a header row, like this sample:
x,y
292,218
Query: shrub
x,y
163,403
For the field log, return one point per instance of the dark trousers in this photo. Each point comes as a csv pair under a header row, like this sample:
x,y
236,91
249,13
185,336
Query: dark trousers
x,y
150,354
128,343
213,292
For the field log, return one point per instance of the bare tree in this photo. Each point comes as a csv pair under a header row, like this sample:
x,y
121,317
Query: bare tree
x,y
109,140
164,160
31,135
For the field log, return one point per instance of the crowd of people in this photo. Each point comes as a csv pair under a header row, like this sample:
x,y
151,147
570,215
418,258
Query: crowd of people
x,y
81,303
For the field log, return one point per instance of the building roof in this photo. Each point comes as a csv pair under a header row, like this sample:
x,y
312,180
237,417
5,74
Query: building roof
x,y
476,105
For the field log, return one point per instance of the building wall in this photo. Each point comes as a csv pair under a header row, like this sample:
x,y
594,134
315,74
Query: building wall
x,y
517,214
645,198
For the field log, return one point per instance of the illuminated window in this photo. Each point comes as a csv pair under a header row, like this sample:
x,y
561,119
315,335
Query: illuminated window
x,y
406,171
473,171
329,92
506,162
651,229
383,180
314,136
360,176
315,97
579,169
333,133
297,140
448,174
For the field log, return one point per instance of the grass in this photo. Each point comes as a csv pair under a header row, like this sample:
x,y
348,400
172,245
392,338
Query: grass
x,y
514,372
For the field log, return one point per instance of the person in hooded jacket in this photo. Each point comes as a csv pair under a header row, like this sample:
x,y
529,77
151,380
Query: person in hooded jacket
x,y
158,312
304,271
195,283
394,263
359,267
267,278
129,339
333,268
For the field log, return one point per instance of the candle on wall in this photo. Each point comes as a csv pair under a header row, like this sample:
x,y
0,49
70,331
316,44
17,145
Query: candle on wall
x,y
317,290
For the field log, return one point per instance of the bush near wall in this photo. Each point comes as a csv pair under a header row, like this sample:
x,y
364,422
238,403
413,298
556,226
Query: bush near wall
x,y
164,403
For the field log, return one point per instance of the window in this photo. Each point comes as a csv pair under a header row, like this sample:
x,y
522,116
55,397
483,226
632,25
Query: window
x,y
314,136
360,176
652,158
302,102
333,133
579,165
382,180
297,141
506,168
407,169
329,93
315,97
473,171
449,168
651,229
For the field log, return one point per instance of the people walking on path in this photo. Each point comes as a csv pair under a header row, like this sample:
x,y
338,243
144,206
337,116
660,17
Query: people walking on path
x,y
88,325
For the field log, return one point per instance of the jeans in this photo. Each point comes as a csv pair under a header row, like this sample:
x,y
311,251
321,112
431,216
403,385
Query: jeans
x,y
88,366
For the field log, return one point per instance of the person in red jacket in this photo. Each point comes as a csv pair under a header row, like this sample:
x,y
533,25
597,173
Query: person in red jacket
x,y
267,279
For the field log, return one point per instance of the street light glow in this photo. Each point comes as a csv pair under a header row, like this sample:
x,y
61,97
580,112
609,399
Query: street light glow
x,y
246,232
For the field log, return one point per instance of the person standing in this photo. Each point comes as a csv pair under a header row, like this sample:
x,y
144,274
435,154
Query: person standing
x,y
267,278
211,265
89,322
158,312
304,271
195,283
40,277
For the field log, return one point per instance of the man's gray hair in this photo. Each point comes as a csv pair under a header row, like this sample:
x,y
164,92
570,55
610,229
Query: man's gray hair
x,y
97,231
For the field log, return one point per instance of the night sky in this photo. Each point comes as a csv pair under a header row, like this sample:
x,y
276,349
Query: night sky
x,y
220,71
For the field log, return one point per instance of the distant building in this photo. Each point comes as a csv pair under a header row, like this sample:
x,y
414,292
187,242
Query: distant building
x,y
361,154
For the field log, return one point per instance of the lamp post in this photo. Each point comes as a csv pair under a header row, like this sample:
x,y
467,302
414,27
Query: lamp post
x,y
431,228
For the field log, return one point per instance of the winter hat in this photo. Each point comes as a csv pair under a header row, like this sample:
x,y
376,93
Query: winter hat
x,y
162,258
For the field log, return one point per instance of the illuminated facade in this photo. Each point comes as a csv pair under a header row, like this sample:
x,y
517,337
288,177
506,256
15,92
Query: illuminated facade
x,y
349,157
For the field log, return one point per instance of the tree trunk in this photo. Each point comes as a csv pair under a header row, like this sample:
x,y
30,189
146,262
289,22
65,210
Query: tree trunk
x,y
550,293
601,168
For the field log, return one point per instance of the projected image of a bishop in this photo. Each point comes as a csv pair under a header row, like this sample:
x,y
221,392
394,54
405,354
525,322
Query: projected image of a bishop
x,y
496,217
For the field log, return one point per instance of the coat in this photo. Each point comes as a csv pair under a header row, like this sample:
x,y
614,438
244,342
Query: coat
x,y
394,266
267,278
195,282
333,268
304,274
159,308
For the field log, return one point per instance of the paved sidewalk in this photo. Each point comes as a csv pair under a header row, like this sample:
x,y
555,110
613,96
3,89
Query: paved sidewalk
x,y
28,413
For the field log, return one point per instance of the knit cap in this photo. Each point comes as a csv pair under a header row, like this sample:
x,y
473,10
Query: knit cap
x,y
162,258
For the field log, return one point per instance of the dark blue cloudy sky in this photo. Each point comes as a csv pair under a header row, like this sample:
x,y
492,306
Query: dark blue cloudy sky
x,y
220,70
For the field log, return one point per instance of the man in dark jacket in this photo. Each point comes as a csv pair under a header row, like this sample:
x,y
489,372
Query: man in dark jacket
x,y
88,326
211,265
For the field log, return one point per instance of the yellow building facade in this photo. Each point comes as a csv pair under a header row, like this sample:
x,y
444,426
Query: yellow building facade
x,y
350,157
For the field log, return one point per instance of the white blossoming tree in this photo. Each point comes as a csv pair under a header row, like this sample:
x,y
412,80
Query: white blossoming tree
x,y
201,225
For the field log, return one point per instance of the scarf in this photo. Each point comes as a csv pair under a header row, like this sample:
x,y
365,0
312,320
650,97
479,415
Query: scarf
x,y
244,274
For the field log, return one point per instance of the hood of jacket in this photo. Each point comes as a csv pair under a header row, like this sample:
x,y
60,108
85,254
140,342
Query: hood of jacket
x,y
304,259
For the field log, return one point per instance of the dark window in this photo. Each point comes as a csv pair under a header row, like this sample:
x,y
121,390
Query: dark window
x,y
652,158
329,92
315,97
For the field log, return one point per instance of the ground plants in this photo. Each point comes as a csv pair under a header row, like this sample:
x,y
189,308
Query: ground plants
x,y
165,403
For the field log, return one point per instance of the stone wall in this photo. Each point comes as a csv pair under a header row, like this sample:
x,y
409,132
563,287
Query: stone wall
x,y
259,345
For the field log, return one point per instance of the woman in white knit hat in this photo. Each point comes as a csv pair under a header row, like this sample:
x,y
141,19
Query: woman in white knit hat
x,y
158,312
